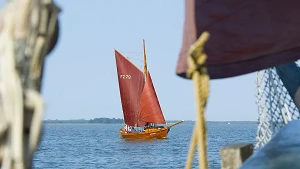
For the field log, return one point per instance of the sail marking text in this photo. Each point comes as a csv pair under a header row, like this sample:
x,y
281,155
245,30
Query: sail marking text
x,y
125,76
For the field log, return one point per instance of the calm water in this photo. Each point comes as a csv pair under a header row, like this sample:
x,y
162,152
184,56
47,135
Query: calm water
x,y
72,146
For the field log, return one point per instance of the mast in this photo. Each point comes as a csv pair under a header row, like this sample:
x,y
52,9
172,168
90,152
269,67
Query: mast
x,y
145,59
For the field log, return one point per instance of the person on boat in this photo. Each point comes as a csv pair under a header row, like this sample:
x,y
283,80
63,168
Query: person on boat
x,y
139,129
289,74
135,128
151,125
126,128
147,125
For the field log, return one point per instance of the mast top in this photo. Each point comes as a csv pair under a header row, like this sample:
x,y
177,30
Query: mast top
x,y
145,59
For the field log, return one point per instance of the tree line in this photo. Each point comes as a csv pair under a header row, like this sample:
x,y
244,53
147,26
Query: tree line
x,y
95,120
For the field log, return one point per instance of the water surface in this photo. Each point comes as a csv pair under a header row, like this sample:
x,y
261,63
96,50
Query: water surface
x,y
72,146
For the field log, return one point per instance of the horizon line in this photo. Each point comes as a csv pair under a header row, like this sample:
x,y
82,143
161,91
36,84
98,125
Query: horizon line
x,y
166,120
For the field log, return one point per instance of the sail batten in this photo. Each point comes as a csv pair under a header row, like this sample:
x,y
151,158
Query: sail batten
x,y
150,110
131,83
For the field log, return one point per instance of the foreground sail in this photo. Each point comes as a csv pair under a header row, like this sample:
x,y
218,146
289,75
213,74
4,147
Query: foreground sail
x,y
236,47
143,116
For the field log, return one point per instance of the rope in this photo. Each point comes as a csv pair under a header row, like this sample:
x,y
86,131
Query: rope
x,y
198,72
11,93
25,40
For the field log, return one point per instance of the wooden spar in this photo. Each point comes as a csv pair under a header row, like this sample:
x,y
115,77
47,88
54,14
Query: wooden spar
x,y
145,61
172,125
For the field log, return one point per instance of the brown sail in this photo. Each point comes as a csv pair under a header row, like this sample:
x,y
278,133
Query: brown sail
x,y
150,110
131,83
245,36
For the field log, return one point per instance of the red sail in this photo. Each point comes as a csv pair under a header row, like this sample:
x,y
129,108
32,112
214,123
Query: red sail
x,y
150,110
131,83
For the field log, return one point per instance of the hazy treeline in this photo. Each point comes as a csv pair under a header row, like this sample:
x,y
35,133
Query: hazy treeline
x,y
95,120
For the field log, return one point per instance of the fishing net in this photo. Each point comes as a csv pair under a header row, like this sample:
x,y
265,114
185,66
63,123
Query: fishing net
x,y
29,31
276,107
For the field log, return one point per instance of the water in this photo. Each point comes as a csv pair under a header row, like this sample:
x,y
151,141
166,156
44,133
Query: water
x,y
72,146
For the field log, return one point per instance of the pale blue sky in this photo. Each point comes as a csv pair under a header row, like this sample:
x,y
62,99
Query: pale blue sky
x,y
80,76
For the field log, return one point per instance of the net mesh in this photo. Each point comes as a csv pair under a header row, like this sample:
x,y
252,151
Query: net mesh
x,y
275,105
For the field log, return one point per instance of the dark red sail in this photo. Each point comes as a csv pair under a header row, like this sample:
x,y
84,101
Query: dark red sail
x,y
150,110
245,36
131,83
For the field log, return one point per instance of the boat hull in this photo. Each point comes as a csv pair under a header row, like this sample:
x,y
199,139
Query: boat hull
x,y
152,133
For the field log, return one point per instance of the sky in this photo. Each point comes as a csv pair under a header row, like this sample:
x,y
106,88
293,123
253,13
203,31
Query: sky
x,y
80,78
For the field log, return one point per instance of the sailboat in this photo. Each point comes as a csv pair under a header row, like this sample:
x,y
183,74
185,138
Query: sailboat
x,y
142,113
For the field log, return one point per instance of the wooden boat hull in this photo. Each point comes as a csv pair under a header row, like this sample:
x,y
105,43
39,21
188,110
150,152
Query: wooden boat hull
x,y
151,133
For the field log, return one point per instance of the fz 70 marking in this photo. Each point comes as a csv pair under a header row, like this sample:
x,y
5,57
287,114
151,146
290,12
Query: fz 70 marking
x,y
125,76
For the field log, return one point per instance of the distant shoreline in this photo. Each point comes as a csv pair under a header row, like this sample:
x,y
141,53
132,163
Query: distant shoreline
x,y
97,120
121,121
84,121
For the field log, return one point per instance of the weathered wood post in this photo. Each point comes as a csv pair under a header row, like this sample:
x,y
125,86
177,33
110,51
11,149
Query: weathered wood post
x,y
234,155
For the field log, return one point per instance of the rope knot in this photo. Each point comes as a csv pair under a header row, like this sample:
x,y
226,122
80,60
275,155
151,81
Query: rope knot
x,y
195,67
197,57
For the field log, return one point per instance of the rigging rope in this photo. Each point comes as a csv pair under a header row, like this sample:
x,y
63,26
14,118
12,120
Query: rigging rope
x,y
198,72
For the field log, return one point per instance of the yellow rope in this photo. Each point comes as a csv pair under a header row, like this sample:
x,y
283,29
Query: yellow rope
x,y
198,72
